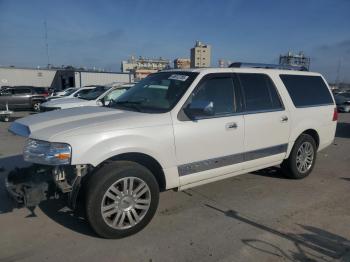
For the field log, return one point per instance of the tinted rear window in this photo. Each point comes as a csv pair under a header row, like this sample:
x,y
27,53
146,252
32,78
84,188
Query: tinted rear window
x,y
307,90
40,90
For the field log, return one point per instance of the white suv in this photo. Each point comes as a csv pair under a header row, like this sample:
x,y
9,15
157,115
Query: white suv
x,y
179,129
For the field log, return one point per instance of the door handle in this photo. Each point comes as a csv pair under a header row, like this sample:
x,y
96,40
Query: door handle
x,y
231,125
284,119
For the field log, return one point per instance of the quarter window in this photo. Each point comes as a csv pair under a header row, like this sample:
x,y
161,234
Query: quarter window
x,y
307,90
260,93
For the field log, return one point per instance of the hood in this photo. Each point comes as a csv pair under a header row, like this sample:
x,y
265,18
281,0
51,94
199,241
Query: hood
x,y
68,102
56,125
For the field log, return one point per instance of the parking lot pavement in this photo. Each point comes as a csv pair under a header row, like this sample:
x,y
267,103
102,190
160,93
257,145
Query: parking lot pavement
x,y
255,217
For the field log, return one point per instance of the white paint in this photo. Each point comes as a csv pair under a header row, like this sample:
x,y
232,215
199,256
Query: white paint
x,y
98,133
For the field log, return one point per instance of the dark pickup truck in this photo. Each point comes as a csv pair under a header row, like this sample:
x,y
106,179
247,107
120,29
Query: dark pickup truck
x,y
22,97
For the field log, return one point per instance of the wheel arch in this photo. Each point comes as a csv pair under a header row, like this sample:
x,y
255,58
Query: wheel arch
x,y
312,132
145,160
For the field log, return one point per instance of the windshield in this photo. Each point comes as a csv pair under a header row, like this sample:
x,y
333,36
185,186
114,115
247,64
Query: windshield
x,y
158,92
69,91
81,92
94,93
115,93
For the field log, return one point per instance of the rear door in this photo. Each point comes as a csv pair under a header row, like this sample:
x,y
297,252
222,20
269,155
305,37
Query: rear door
x,y
21,97
210,146
267,123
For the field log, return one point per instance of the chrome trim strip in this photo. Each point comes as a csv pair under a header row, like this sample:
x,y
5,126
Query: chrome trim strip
x,y
264,152
203,165
316,105
264,111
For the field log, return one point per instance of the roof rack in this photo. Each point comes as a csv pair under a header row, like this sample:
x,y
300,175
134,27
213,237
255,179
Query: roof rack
x,y
268,66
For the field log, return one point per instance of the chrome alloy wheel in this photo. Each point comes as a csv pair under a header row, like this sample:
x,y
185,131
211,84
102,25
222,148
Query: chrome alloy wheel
x,y
305,157
125,203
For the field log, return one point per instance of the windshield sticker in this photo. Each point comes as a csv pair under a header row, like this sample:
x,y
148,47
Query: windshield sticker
x,y
178,77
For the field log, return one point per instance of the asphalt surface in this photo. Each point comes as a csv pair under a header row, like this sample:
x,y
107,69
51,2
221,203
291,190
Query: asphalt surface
x,y
254,217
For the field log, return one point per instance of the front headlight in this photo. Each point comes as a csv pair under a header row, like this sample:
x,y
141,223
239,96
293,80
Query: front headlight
x,y
47,153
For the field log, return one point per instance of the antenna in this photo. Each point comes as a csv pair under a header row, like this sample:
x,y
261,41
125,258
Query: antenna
x,y
47,45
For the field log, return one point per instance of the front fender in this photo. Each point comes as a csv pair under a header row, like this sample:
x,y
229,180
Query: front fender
x,y
158,144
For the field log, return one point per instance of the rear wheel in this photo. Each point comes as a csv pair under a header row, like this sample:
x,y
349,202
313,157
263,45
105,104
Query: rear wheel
x,y
122,197
302,158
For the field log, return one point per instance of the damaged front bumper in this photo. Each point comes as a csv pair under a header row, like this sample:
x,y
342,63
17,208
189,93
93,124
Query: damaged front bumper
x,y
31,185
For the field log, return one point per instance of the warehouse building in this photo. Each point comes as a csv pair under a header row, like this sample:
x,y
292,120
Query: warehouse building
x,y
59,79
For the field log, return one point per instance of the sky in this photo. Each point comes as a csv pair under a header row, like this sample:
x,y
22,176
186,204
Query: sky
x,y
103,33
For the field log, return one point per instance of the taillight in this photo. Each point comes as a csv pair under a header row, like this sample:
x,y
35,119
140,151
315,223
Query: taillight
x,y
335,114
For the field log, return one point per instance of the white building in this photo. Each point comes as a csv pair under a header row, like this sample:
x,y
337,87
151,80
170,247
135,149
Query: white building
x,y
24,76
182,63
58,79
141,66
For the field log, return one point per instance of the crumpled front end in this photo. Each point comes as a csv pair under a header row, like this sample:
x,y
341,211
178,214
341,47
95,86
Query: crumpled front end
x,y
29,186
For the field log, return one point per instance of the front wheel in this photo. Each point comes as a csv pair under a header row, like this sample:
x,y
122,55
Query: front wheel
x,y
122,197
302,158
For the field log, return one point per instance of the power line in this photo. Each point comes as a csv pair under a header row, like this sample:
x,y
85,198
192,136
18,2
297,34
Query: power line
x,y
47,44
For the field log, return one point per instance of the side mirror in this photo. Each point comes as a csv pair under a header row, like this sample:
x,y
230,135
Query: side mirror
x,y
199,108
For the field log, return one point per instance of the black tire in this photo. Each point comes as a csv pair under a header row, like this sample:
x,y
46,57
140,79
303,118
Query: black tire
x,y
102,180
36,106
289,165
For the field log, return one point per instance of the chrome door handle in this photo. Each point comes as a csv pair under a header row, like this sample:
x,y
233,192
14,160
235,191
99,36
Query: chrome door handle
x,y
231,125
284,119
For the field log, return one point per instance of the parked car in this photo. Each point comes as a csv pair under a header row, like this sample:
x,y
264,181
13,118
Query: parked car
x,y
74,92
180,129
62,92
97,96
343,102
22,97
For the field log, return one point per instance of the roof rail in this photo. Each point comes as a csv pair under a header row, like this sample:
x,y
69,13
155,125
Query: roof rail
x,y
268,66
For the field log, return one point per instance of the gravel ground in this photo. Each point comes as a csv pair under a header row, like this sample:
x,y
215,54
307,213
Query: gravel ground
x,y
254,217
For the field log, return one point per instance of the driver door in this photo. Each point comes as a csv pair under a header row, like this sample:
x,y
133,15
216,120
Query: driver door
x,y
210,145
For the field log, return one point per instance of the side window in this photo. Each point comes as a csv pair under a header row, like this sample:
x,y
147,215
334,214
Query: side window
x,y
307,90
21,91
260,93
216,95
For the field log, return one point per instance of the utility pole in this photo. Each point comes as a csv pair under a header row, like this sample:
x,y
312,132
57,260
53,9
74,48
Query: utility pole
x,y
338,73
47,45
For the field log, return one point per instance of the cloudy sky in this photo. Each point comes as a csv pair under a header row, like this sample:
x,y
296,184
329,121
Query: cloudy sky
x,y
102,33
